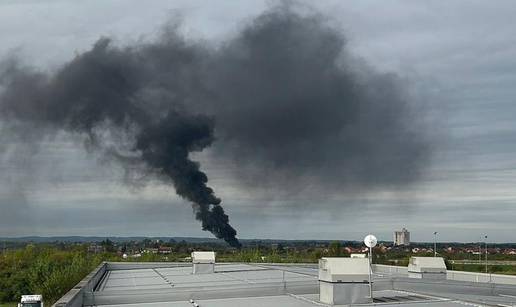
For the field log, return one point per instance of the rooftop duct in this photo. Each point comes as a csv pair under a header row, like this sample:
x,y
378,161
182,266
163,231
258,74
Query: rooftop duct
x,y
203,262
427,267
344,281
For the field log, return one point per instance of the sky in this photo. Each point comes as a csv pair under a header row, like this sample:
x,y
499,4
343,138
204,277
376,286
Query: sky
x,y
456,56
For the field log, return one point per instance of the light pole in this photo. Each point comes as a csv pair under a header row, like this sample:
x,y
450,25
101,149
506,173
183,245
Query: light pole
x,y
370,241
485,237
371,272
435,243
480,252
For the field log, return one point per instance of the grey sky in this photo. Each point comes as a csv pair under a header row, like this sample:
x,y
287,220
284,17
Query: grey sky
x,y
460,54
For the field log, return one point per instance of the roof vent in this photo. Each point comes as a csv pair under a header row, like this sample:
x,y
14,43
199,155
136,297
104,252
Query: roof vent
x,y
427,267
203,262
344,281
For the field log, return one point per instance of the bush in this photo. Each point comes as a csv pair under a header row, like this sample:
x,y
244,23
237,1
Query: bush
x,y
47,271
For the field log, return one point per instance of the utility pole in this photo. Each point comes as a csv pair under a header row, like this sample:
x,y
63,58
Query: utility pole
x,y
435,243
480,252
485,237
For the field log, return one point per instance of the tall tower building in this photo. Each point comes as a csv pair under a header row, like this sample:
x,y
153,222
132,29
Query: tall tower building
x,y
402,237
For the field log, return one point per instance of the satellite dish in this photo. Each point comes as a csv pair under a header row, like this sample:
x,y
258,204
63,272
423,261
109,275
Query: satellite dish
x,y
370,241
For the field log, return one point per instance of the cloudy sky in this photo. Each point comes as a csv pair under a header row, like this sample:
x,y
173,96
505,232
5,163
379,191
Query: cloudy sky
x,y
456,57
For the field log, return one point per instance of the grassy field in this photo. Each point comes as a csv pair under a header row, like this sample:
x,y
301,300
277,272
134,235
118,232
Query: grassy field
x,y
8,304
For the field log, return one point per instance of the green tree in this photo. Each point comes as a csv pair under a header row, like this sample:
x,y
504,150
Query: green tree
x,y
335,249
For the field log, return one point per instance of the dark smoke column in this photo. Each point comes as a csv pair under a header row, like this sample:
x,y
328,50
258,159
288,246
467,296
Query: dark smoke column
x,y
165,147
104,93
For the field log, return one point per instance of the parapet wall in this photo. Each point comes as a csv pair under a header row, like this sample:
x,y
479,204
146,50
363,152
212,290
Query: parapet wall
x,y
390,269
75,297
452,275
114,266
481,277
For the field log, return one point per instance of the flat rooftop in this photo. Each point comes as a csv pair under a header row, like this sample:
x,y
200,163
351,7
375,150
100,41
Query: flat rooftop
x,y
253,285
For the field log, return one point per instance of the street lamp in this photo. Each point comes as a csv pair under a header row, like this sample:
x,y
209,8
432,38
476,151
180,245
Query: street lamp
x,y
370,241
435,243
485,237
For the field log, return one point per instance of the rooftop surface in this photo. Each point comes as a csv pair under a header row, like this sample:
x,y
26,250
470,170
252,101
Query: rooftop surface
x,y
253,285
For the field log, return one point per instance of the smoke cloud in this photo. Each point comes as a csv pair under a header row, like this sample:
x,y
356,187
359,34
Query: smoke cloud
x,y
283,100
295,107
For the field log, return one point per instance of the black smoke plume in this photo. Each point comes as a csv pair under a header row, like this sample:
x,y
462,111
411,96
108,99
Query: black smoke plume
x,y
110,91
286,101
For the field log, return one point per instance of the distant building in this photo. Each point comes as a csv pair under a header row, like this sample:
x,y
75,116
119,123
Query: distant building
x,y
151,250
164,250
95,248
402,237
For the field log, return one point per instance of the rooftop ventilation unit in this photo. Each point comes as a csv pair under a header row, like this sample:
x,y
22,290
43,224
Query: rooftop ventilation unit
x,y
427,267
203,262
344,281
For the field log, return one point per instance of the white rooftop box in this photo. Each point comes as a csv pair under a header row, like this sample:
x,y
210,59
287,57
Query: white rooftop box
x,y
344,281
344,269
203,257
203,262
31,298
427,267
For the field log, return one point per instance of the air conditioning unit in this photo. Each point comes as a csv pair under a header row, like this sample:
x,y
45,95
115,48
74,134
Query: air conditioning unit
x,y
427,268
344,281
203,262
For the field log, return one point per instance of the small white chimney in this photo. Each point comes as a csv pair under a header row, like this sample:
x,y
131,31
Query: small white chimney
x,y
427,268
344,281
203,262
